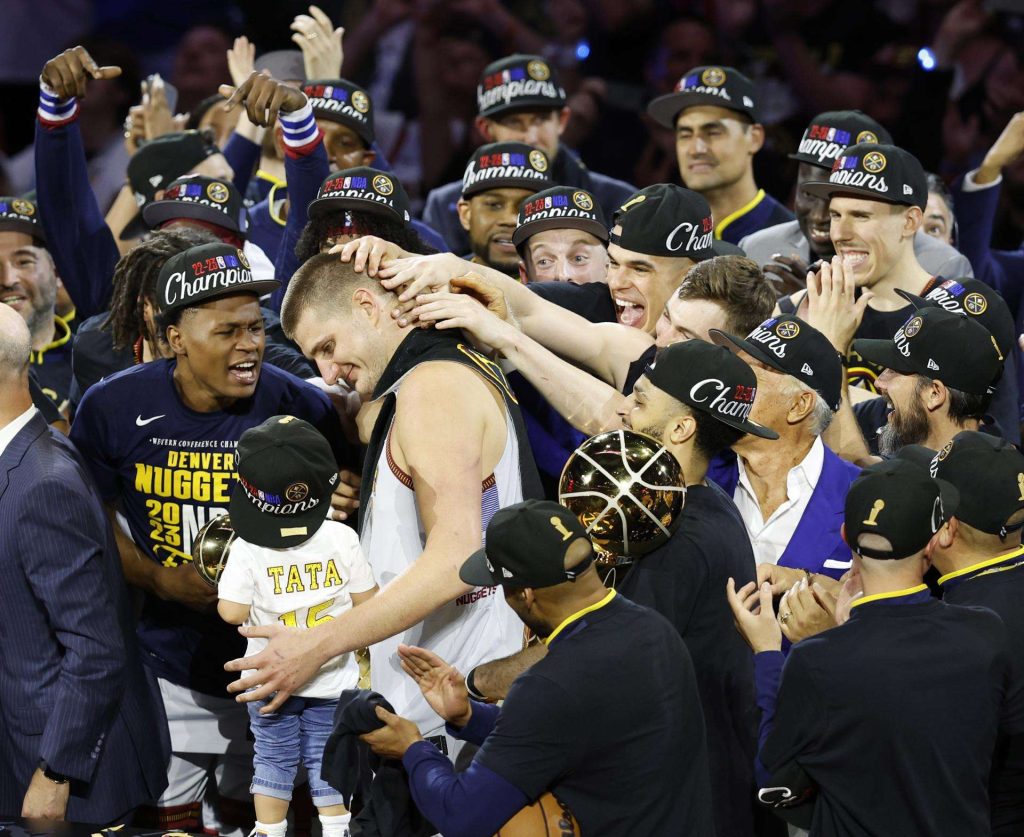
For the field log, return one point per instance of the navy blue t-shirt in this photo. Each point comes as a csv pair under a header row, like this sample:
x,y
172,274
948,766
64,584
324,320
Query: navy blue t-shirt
x,y
169,470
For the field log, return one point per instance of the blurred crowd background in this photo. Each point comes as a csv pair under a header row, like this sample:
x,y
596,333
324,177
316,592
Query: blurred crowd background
x,y
943,76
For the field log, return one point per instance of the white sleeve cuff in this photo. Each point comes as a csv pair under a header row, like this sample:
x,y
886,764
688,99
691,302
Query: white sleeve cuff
x,y
969,185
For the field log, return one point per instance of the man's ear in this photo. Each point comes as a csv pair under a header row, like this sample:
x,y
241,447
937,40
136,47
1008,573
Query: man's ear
x,y
681,429
523,278
483,127
465,213
913,218
935,396
842,534
802,407
176,341
756,134
563,120
367,304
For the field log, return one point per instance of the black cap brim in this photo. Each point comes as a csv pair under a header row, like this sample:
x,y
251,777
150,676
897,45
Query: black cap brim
x,y
811,161
254,526
666,109
160,212
523,103
325,206
26,227
595,228
917,454
474,570
136,228
884,353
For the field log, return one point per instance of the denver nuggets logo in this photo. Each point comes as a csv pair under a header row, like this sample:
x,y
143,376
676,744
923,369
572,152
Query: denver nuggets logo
x,y
913,327
538,70
296,492
787,330
23,207
583,201
360,101
382,184
867,136
975,303
713,77
538,160
217,192
243,259
874,161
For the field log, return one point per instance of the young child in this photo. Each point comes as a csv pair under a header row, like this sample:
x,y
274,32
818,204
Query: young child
x,y
290,564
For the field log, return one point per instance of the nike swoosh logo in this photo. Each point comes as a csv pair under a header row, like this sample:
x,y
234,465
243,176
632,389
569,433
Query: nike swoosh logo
x,y
141,422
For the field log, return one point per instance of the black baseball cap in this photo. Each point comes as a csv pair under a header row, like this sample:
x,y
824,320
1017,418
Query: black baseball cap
x,y
560,208
342,101
975,299
364,189
899,501
506,165
711,379
525,547
723,87
940,345
665,220
877,171
160,161
282,64
793,347
286,473
206,272
989,474
830,133
201,198
21,215
519,82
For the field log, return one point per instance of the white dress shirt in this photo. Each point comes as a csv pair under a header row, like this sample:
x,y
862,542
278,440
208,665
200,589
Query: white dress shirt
x,y
9,431
771,537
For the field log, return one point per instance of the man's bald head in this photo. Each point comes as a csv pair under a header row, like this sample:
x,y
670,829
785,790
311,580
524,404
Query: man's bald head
x,y
15,343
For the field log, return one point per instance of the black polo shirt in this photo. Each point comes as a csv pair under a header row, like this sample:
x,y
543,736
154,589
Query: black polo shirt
x,y
684,581
610,722
894,716
999,585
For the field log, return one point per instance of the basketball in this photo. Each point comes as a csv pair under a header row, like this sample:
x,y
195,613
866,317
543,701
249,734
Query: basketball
x,y
547,817
211,549
626,489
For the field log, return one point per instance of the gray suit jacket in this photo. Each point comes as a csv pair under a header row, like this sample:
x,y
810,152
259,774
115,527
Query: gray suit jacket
x,y
937,258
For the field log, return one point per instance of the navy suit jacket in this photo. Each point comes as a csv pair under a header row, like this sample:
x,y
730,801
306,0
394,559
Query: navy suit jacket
x,y
73,690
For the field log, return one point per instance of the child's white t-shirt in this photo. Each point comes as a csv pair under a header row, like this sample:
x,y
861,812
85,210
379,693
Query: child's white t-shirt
x,y
301,586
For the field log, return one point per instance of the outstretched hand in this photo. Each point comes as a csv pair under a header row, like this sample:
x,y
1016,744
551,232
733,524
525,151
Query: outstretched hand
x,y
288,662
263,97
441,684
69,73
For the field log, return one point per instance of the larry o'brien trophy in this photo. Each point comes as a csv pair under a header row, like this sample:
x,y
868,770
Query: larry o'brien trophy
x,y
211,548
628,491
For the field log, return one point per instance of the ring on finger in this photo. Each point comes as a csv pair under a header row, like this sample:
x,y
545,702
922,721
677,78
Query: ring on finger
x,y
784,618
312,35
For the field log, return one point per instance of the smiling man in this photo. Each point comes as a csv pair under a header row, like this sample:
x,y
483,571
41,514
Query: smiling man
x,y
160,441
714,115
498,178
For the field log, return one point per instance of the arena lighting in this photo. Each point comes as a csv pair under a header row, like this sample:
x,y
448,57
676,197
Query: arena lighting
x,y
582,50
926,58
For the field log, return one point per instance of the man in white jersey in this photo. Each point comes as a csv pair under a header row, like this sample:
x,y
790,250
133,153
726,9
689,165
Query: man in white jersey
x,y
447,449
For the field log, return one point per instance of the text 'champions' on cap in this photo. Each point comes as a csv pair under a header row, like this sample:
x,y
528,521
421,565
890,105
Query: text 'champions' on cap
x,y
878,172
665,220
342,101
560,208
363,189
207,272
506,165
519,82
831,133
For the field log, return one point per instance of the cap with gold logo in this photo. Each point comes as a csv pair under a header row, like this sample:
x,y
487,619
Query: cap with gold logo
x,y
519,82
201,198
363,189
723,87
21,215
342,101
829,134
560,208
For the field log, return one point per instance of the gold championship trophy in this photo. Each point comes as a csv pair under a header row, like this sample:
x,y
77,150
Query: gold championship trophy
x,y
211,548
628,491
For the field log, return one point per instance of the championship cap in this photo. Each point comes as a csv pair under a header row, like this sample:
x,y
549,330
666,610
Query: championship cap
x,y
560,208
989,474
364,189
975,299
711,379
723,87
829,134
519,82
286,473
342,101
506,165
201,198
940,345
21,215
877,171
525,547
160,161
791,346
665,220
206,272
897,500
282,64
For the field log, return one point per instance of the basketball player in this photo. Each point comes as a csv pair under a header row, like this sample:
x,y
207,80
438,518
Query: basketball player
x,y
446,451
160,438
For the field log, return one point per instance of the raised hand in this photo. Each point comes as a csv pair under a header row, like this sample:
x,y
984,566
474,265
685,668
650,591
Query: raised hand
x,y
832,305
68,74
241,60
263,97
320,43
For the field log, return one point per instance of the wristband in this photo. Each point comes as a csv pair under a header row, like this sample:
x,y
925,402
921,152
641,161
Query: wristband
x,y
53,110
471,688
